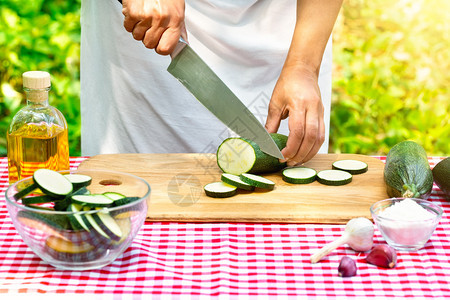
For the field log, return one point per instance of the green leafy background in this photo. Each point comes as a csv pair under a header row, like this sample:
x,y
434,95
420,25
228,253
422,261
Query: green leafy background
x,y
390,81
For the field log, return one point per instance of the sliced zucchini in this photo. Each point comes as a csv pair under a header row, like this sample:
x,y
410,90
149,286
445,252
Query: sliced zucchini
x,y
236,181
65,250
81,191
63,204
46,222
236,156
98,200
40,207
76,220
219,190
92,223
63,245
299,175
108,225
37,200
257,181
52,183
25,191
334,177
79,180
114,196
125,200
351,165
125,226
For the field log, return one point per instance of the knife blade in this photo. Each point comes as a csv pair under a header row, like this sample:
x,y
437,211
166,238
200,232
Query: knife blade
x,y
201,81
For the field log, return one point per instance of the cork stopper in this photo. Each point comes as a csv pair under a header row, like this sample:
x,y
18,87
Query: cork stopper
x,y
36,80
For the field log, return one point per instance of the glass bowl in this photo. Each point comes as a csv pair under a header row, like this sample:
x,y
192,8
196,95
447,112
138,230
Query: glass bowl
x,y
410,227
58,236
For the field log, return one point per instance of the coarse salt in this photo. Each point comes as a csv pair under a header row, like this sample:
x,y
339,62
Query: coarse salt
x,y
407,224
407,210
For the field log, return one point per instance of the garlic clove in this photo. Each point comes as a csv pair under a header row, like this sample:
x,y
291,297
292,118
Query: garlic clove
x,y
347,267
382,256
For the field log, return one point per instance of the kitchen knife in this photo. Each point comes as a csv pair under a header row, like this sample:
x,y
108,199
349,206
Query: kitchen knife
x,y
213,93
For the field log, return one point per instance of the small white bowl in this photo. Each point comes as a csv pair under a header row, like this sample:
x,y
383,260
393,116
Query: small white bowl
x,y
403,233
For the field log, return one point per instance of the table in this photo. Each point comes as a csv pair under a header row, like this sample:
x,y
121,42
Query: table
x,y
230,260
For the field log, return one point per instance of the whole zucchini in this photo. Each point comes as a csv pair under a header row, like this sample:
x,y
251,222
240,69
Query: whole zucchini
x,y
441,175
407,172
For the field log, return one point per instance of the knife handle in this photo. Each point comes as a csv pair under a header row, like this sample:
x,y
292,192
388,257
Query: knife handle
x,y
180,45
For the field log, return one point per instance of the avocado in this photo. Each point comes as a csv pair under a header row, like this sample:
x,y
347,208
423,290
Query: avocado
x,y
441,176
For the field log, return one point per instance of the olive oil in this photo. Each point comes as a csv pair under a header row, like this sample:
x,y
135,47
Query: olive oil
x,y
38,135
36,146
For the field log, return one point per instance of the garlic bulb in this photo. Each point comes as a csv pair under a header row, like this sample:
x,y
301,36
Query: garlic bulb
x,y
358,235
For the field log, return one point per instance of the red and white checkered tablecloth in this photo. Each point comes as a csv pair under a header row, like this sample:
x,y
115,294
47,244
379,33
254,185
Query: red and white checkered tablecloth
x,y
215,260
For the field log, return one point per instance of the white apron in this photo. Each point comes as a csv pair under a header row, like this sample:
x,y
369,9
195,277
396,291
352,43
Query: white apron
x,y
131,104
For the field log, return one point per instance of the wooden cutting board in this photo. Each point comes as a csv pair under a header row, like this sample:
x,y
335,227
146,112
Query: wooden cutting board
x,y
177,194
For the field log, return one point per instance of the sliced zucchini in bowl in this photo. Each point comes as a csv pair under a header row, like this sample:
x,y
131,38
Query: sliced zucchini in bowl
x,y
52,183
45,221
108,225
114,196
77,220
93,200
37,200
65,250
79,180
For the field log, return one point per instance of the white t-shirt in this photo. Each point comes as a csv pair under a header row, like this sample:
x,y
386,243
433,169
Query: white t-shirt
x,y
131,104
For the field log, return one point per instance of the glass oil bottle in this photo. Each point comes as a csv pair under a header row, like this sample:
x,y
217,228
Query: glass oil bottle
x,y
38,135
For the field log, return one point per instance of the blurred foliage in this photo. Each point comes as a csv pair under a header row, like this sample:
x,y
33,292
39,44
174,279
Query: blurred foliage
x,y
41,35
390,78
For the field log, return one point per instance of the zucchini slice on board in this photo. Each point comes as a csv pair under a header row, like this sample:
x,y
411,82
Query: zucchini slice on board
x,y
98,200
352,166
79,180
219,190
299,175
257,181
236,181
52,183
334,177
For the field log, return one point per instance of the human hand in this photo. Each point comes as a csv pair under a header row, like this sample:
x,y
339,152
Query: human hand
x,y
297,96
158,24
